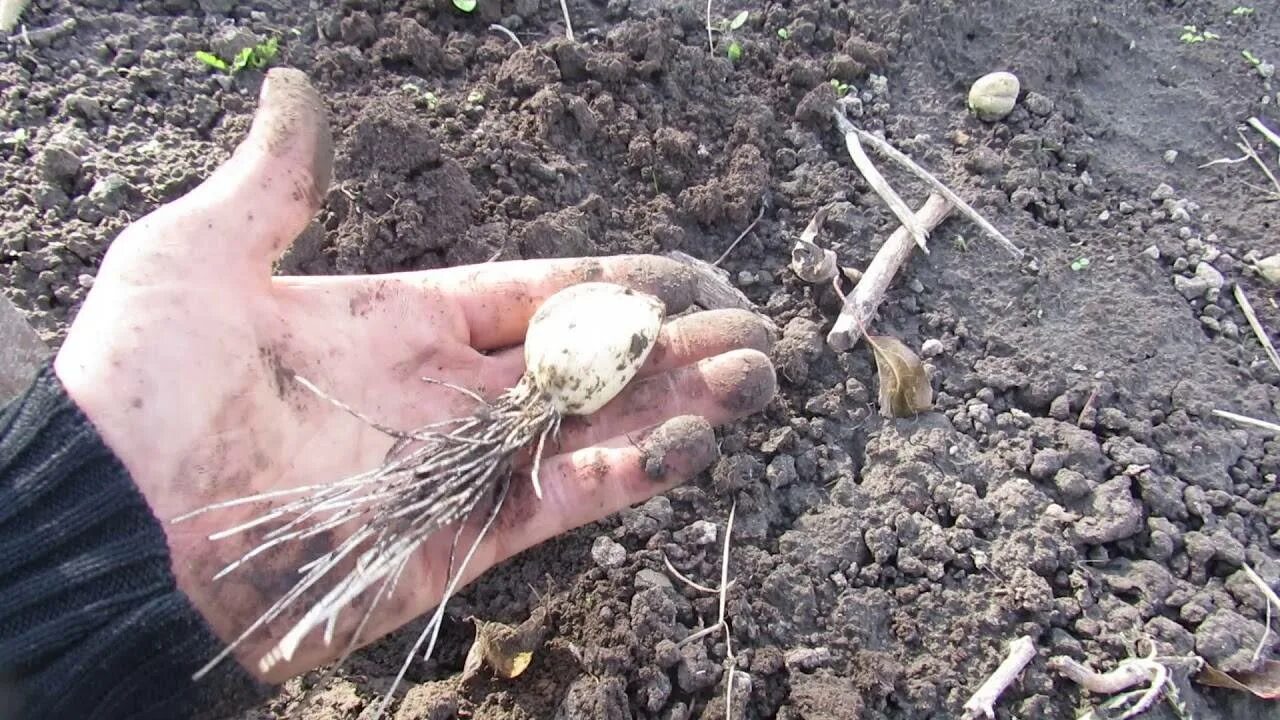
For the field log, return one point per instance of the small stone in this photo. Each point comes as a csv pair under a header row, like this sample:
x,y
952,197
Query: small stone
x,y
1152,252
932,348
1210,275
1190,288
700,532
110,193
808,659
607,553
85,281
1163,191
1170,156
647,578
84,106
1038,104
781,472
58,164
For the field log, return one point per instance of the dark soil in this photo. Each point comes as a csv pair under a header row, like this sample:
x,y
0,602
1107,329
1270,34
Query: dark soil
x,y
1072,484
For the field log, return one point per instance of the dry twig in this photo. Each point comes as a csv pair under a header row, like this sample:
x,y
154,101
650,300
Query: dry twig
x,y
568,26
937,185
1253,155
1246,420
982,702
896,204
860,306
1151,670
711,43
764,203
1258,332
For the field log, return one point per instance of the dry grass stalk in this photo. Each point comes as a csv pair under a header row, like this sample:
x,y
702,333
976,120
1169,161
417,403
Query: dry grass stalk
x,y
1132,672
860,305
568,25
1258,331
937,185
505,31
982,702
896,204
1246,420
1253,155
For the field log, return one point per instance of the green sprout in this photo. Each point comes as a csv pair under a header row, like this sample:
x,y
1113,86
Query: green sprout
x,y
784,33
739,20
1241,11
1192,35
734,51
475,97
1080,264
1254,60
256,57
841,88
465,6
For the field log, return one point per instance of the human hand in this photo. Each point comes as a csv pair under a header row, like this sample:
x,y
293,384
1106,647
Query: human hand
x,y
185,351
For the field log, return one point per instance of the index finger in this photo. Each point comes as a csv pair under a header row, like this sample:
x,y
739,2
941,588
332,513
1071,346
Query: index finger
x,y
498,299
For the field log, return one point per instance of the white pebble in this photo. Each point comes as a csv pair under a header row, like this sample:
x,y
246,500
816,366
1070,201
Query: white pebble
x,y
607,553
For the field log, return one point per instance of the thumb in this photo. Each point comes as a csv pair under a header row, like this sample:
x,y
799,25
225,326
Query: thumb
x,y
247,211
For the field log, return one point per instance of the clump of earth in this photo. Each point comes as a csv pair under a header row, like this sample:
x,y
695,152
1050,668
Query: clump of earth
x,y
1072,482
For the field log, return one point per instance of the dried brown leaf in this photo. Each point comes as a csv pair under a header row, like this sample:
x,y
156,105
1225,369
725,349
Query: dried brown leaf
x,y
1264,683
505,649
904,385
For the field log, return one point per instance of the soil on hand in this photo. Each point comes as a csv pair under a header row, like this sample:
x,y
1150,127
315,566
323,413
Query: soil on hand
x,y
1071,483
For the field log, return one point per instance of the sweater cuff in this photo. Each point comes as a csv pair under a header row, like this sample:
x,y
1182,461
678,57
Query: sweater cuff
x,y
92,624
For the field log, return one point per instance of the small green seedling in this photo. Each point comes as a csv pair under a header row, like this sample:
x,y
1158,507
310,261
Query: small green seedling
x,y
1080,264
739,20
841,88
17,139
1254,60
465,6
1241,11
475,97
734,51
784,33
256,57
1192,35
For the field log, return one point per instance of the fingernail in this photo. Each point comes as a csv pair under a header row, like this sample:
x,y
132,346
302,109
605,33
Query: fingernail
x,y
678,449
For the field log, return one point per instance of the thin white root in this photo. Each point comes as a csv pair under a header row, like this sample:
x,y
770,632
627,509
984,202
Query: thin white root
x,y
568,25
937,185
711,43
1246,420
860,306
1271,598
896,204
721,624
982,702
505,31
1258,331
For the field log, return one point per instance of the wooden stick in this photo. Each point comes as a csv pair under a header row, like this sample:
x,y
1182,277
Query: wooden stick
x,y
881,186
938,187
860,305
568,26
983,700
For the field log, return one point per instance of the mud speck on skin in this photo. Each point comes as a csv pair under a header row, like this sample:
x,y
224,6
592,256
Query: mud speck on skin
x,y
1060,393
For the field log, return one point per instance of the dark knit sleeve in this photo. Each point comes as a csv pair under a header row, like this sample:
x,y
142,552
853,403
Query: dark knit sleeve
x,y
92,624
